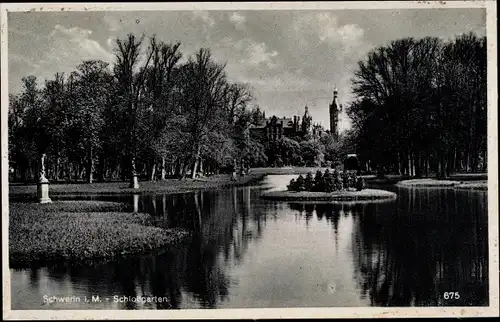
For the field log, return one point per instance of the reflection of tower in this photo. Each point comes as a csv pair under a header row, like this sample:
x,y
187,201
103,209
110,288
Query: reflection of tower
x,y
335,109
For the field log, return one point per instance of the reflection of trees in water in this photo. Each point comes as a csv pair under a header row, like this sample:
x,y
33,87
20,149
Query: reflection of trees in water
x,y
224,224
331,212
429,242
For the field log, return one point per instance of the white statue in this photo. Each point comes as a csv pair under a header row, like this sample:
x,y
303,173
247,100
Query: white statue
x,y
42,177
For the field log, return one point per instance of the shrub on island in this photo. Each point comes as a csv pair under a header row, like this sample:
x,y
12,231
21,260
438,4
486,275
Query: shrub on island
x,y
327,182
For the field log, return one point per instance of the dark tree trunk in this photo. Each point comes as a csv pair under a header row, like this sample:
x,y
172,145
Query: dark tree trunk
x,y
485,157
196,161
56,167
102,167
418,164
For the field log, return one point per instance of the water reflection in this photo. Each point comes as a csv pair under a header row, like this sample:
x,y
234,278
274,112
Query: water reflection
x,y
432,241
248,252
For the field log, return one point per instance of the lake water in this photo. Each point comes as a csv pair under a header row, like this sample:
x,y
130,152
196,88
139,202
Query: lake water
x,y
251,253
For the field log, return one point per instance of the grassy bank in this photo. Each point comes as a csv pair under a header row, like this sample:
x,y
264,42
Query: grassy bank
x,y
287,170
459,177
427,183
483,185
78,231
28,192
434,183
163,186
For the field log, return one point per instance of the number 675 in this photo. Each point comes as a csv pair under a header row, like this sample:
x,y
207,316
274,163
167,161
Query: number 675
x,y
451,295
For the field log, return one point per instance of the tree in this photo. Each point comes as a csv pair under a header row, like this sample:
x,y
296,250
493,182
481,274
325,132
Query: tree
x,y
309,182
22,150
37,117
147,110
204,89
328,181
130,74
319,182
161,82
93,90
300,183
312,152
418,103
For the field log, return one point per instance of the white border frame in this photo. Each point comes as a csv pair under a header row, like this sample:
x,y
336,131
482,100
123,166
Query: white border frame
x,y
338,312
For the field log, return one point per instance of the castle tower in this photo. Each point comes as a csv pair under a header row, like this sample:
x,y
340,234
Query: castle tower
x,y
306,122
335,109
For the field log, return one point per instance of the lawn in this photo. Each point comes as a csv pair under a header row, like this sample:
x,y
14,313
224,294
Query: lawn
x,y
28,192
77,231
163,186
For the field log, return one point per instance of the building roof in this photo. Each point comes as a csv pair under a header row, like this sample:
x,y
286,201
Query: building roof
x,y
287,122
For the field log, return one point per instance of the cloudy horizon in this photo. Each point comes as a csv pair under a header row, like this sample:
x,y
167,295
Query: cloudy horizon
x,y
289,58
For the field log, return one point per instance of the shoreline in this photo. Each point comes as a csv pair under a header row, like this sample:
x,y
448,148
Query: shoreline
x,y
339,196
476,186
435,183
168,186
172,186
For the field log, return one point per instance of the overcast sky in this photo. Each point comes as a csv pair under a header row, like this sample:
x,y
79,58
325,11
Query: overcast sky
x,y
289,58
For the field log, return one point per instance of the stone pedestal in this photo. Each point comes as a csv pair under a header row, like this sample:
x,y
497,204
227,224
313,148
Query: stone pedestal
x,y
42,190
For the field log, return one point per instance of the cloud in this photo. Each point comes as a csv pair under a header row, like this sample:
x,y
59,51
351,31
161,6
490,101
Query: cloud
x,y
74,44
237,18
63,50
326,28
285,82
111,42
205,17
254,53
19,59
112,22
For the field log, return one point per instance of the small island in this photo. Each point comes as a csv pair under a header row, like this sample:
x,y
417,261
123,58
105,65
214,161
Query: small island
x,y
328,186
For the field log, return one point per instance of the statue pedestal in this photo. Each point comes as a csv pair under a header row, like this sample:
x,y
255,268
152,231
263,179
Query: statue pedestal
x,y
42,190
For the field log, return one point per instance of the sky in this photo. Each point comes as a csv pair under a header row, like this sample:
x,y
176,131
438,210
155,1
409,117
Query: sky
x,y
289,58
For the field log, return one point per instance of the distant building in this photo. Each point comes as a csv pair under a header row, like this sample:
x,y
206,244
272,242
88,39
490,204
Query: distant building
x,y
274,128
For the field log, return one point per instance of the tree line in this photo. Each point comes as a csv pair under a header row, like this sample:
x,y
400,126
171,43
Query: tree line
x,y
420,106
147,115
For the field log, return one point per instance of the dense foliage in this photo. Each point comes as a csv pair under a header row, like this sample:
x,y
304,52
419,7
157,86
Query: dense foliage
x,y
421,106
327,182
147,114
308,151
